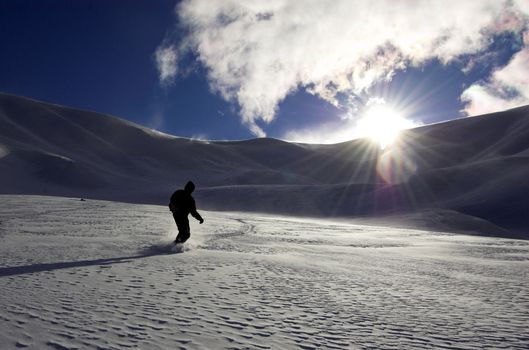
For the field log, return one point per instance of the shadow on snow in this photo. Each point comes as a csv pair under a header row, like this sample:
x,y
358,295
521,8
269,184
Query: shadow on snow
x,y
159,249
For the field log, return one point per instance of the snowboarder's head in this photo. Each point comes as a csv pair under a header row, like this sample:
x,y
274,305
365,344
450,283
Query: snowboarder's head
x,y
190,187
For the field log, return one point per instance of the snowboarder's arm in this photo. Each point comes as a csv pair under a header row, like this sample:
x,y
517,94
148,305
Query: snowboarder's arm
x,y
173,202
194,212
173,198
197,216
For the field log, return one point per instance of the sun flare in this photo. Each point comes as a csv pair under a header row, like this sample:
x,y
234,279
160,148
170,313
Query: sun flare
x,y
382,124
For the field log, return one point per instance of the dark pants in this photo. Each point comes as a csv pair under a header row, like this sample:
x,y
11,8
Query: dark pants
x,y
183,228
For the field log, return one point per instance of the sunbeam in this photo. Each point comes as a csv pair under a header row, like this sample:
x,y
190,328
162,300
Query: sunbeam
x,y
382,124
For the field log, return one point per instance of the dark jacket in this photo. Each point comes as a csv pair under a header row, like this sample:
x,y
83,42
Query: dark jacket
x,y
182,203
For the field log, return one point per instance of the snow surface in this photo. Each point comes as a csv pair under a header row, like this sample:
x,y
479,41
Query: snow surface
x,y
98,274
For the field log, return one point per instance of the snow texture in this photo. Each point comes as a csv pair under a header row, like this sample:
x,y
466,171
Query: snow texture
x,y
102,275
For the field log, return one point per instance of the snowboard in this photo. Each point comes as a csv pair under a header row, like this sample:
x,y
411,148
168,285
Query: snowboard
x,y
178,247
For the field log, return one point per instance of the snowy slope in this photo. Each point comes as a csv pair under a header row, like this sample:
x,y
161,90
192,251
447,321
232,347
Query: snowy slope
x,y
97,274
477,167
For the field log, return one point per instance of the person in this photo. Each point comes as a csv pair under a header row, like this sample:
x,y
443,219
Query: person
x,y
181,205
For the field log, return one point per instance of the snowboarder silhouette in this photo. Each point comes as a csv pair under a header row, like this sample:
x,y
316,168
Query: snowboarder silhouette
x,y
181,205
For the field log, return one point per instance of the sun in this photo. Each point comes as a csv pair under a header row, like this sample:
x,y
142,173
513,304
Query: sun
x,y
382,124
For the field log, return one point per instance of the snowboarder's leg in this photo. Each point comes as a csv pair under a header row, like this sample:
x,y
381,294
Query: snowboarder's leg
x,y
183,229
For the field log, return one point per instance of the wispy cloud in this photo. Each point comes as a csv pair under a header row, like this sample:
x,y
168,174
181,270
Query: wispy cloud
x,y
257,52
508,86
4,151
328,133
167,63
199,137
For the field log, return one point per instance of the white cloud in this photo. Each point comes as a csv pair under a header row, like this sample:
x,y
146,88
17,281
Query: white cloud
x,y
508,87
166,62
257,52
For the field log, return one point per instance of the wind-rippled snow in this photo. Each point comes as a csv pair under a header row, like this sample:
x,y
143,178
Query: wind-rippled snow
x,y
94,274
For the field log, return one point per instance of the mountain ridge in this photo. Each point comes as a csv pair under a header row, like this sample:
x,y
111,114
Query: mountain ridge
x,y
476,166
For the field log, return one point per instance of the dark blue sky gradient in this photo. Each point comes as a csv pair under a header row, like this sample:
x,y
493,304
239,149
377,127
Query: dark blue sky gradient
x,y
98,55
95,55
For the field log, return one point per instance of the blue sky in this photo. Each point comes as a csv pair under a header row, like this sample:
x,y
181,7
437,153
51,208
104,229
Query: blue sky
x,y
300,70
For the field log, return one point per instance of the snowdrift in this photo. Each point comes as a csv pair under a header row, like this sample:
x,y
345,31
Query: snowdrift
x,y
476,167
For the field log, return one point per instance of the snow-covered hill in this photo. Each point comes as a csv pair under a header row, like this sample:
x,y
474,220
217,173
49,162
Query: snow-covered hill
x,y
97,275
472,167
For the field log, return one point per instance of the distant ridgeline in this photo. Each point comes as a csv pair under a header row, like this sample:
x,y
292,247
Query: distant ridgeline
x,y
475,166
